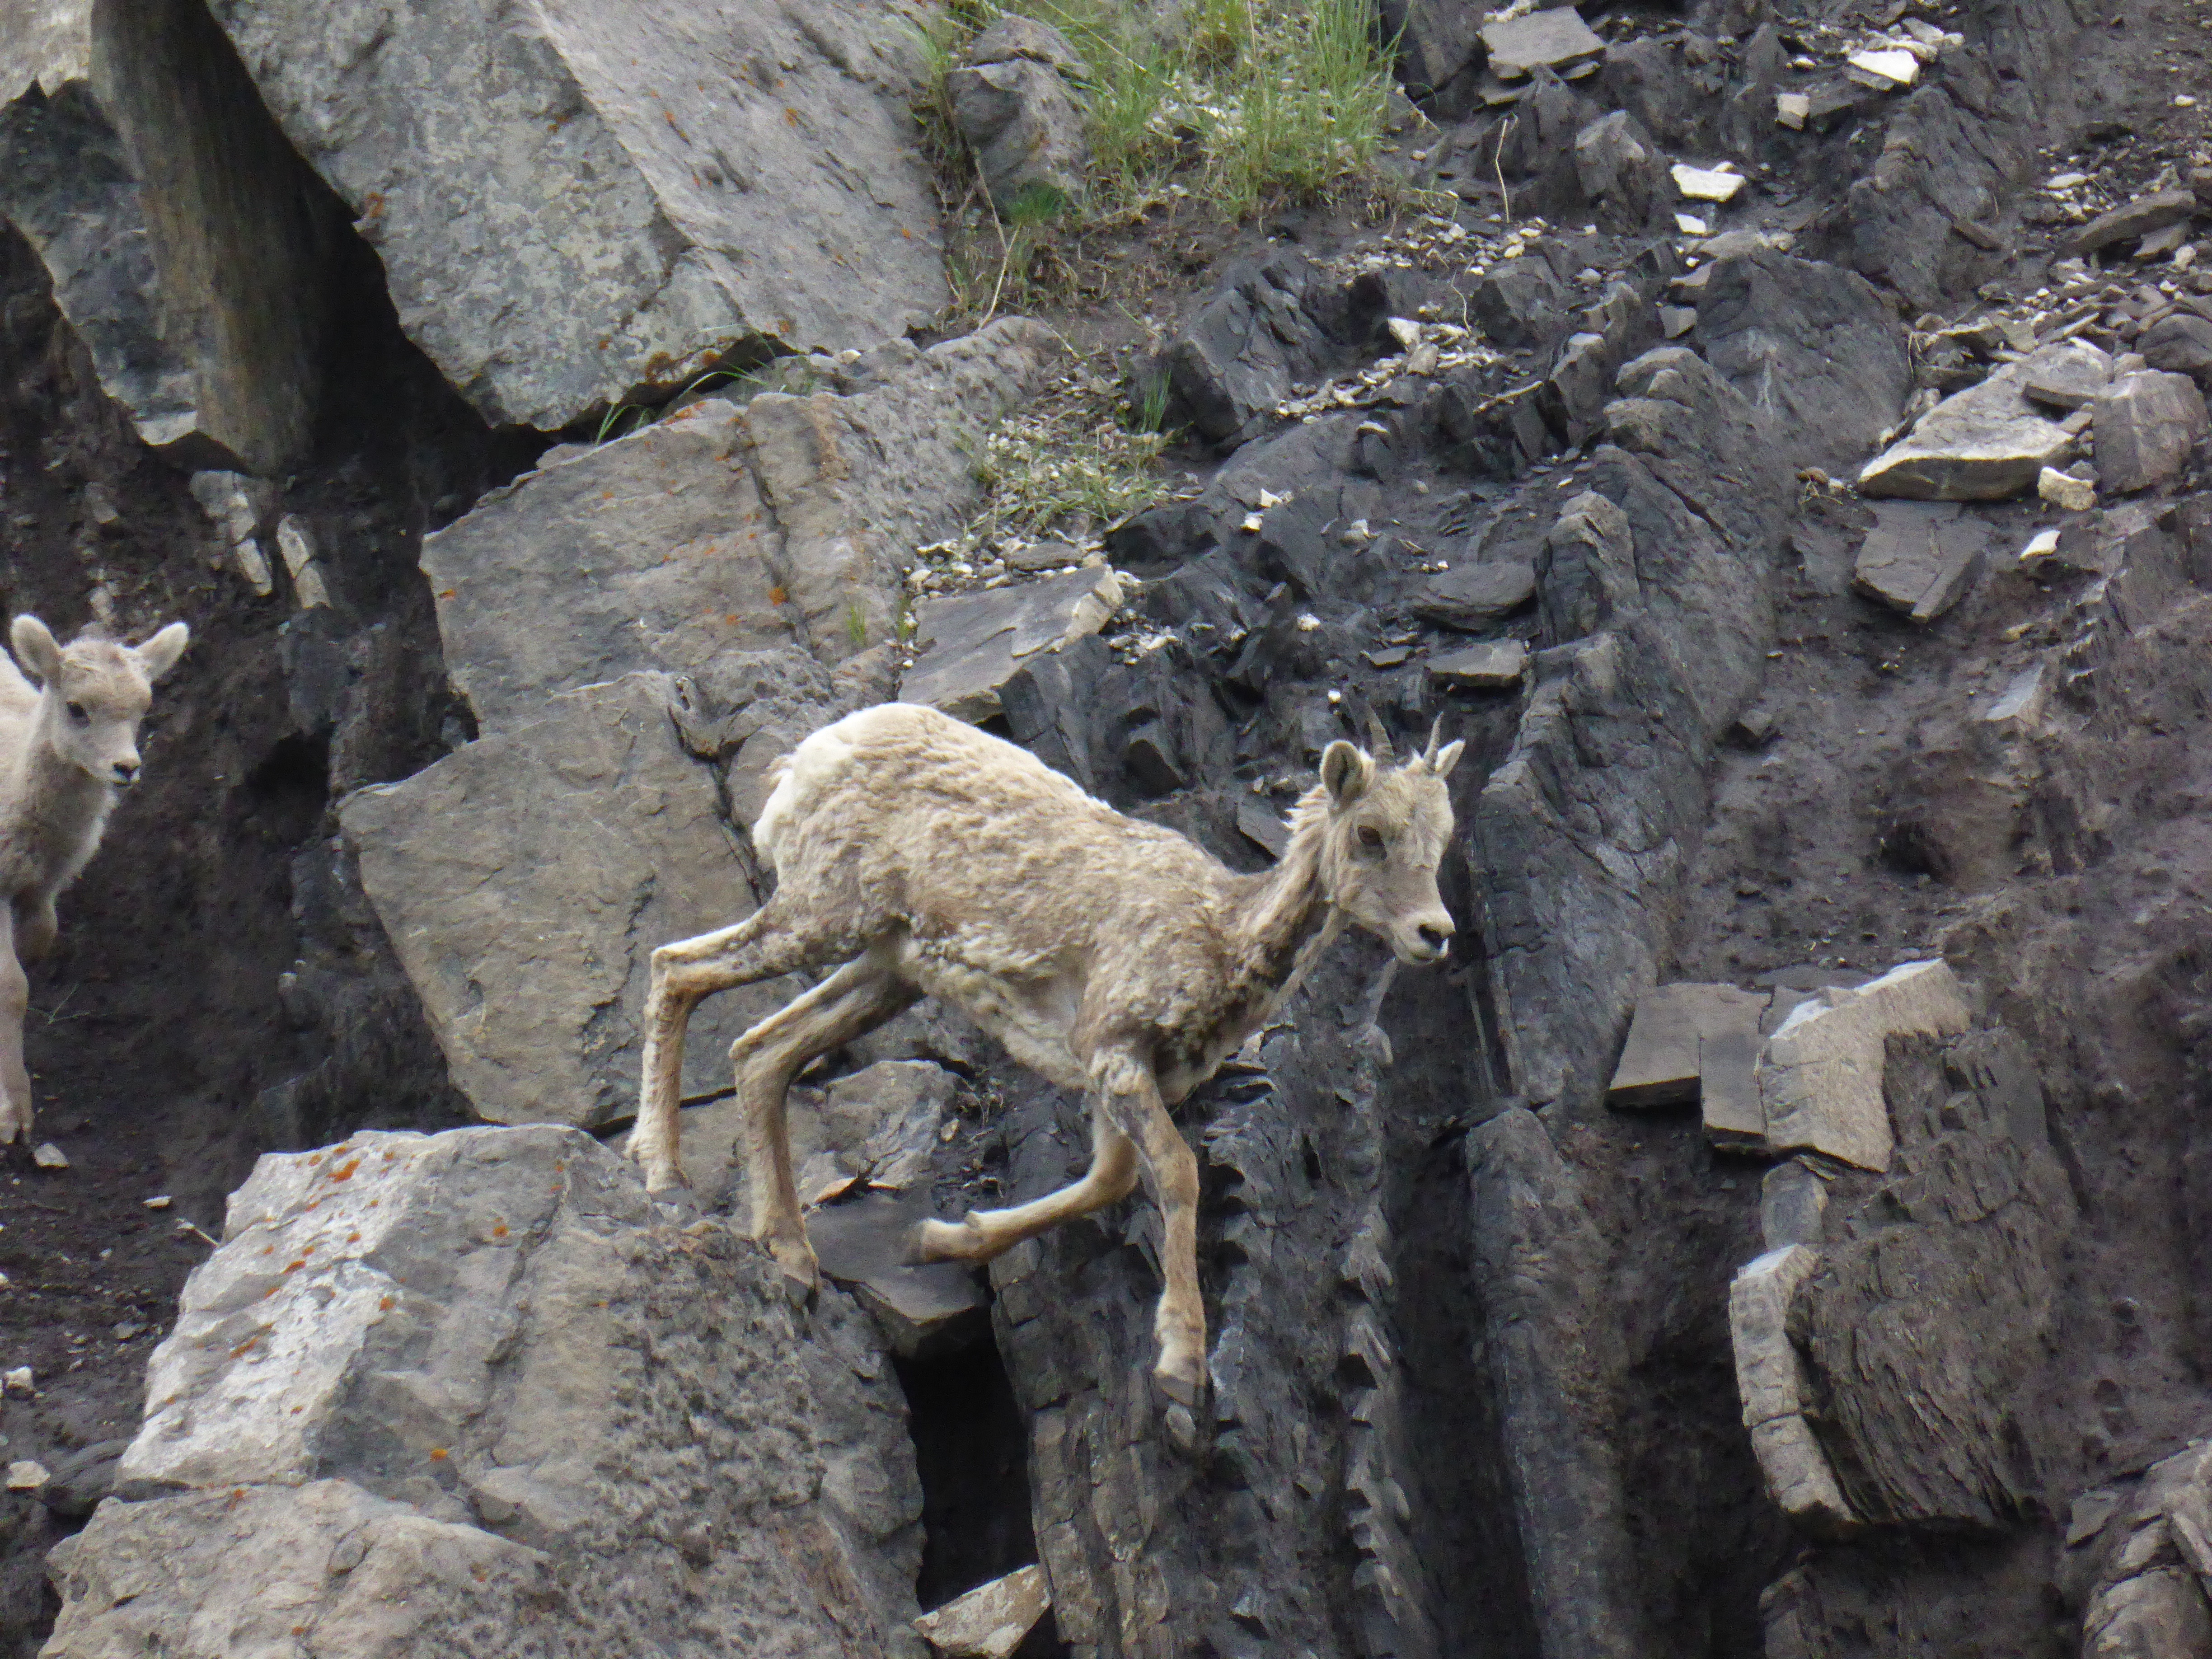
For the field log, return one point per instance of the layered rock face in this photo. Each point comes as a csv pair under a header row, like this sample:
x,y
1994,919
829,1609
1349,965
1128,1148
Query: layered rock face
x,y
576,203
464,1393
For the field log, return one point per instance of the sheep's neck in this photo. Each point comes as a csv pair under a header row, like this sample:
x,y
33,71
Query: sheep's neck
x,y
54,810
1286,921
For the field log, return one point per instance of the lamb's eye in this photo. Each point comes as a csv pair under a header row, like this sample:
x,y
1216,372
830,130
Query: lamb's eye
x,y
77,713
1371,841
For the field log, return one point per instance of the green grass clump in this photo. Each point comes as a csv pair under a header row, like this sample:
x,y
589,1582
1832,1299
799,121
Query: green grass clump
x,y
1240,103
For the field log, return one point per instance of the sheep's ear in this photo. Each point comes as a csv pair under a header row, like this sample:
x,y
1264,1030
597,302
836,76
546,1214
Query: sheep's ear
x,y
1344,773
158,654
41,659
1444,763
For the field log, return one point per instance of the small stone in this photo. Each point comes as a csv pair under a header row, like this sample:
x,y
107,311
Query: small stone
x,y
1690,225
1884,70
159,1201
2041,546
991,1620
1791,109
1919,557
1675,321
1037,558
18,1381
1707,184
1542,39
47,1156
2064,490
924,1308
1495,666
253,565
2021,704
27,1475
1792,1198
125,1329
1392,656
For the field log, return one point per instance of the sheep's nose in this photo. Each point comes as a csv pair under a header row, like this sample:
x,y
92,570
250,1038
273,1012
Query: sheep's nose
x,y
1436,935
126,771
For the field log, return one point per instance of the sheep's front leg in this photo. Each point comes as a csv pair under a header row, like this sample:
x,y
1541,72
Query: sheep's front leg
x,y
37,928
14,1004
684,975
1132,1097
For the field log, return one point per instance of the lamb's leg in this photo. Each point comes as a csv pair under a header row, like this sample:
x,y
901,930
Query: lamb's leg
x,y
15,1003
37,928
1131,1097
856,999
983,1234
762,946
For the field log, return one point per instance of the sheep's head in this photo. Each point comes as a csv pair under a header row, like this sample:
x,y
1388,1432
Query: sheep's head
x,y
1383,831
95,692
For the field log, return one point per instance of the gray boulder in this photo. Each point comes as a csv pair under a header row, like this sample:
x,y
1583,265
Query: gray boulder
x,y
1919,557
1473,596
971,645
180,232
1586,573
782,521
2181,344
581,205
441,1395
1017,113
1518,302
524,881
2146,424
1437,38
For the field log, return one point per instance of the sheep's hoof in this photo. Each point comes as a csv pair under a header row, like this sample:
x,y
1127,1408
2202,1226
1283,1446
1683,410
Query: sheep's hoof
x,y
662,1173
1183,1415
1183,1382
15,1121
802,1274
944,1240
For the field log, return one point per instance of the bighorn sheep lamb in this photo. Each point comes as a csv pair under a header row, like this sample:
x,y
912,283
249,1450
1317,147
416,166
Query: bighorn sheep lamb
x,y
1109,956
69,739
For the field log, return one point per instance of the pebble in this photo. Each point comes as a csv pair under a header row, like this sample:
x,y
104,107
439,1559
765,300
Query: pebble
x,y
47,1156
27,1475
2063,489
159,1201
18,1381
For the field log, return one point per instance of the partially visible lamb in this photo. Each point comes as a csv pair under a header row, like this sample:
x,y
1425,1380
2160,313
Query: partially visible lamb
x,y
69,739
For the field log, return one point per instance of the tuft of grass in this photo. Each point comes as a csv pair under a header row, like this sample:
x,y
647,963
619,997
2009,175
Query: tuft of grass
x,y
1242,105
1075,456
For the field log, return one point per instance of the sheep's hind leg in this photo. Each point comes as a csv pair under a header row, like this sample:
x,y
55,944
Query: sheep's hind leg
x,y
983,1234
1132,1098
855,999
763,946
14,1004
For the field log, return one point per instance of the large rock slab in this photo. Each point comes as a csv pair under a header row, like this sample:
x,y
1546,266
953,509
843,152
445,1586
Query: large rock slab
x,y
1771,1381
525,880
184,238
1471,597
971,644
1554,39
783,521
2146,424
434,1392
1691,1043
575,205
1980,445
1820,1075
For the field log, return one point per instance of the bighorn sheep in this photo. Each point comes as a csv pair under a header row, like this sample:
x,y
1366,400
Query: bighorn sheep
x,y
69,739
1109,956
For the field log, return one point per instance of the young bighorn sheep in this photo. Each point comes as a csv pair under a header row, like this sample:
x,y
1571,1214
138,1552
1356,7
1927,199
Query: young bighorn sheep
x,y
69,739
1109,956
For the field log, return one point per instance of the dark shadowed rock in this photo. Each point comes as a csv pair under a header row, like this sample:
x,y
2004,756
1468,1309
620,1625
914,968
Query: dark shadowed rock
x,y
1518,302
1622,171
185,243
2181,345
1270,325
1473,596
1437,38
1919,557
1587,570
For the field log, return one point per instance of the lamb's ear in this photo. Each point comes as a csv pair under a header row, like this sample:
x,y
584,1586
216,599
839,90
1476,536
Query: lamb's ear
x,y
1344,773
158,654
1450,759
35,649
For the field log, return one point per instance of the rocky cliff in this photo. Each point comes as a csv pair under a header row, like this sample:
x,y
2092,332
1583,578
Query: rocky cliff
x,y
1772,440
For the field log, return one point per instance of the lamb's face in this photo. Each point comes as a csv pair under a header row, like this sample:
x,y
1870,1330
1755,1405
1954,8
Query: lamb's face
x,y
1387,829
95,694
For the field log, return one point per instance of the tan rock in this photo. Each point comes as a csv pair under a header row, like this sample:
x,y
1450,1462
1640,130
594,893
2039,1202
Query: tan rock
x,y
991,1620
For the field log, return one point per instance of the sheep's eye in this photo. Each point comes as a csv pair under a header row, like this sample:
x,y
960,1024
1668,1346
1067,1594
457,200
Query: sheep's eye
x,y
76,712
1371,841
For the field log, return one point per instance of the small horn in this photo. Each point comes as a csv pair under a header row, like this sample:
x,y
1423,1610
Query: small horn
x,y
1429,755
1379,738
